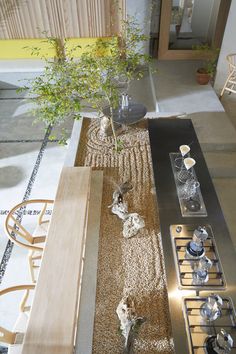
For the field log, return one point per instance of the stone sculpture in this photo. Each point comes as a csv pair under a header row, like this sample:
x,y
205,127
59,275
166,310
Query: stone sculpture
x,y
129,322
133,222
122,189
119,207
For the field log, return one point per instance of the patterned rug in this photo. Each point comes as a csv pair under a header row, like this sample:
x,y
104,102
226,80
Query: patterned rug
x,y
132,266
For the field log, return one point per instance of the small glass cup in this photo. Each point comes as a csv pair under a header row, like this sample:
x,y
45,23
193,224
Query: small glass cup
x,y
192,187
179,162
186,171
184,152
189,189
184,175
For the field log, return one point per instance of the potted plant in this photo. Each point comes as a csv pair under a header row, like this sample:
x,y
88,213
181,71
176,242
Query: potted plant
x,y
207,72
68,85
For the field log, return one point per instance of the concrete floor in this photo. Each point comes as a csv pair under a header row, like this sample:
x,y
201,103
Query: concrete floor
x,y
177,92
229,104
226,185
30,165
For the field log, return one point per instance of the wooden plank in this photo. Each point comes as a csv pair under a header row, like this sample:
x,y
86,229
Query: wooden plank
x,y
221,22
164,53
164,28
84,340
52,323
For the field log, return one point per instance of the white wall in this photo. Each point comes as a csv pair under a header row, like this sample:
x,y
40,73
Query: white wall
x,y
202,10
228,46
141,9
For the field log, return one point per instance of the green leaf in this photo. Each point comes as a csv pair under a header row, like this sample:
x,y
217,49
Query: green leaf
x,y
67,86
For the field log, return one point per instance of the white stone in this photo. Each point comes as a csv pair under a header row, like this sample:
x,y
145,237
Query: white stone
x,y
132,224
128,321
120,209
126,314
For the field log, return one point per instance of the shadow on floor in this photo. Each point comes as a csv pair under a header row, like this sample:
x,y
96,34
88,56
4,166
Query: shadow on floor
x,y
214,130
6,86
229,103
10,176
3,350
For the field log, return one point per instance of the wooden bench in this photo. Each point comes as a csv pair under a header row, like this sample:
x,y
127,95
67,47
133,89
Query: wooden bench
x,y
53,319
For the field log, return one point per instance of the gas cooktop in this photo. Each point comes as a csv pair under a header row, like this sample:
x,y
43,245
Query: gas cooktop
x,y
197,261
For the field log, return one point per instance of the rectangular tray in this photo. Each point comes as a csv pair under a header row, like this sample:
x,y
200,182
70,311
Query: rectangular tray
x,y
184,211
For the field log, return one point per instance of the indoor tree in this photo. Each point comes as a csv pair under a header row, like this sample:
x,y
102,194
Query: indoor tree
x,y
68,85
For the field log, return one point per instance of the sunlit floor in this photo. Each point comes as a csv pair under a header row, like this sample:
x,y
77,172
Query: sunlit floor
x,y
29,168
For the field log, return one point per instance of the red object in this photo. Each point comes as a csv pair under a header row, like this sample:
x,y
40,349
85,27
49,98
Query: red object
x,y
202,77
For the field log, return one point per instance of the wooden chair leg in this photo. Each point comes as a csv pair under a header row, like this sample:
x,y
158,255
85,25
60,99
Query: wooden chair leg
x,y
31,267
35,258
32,264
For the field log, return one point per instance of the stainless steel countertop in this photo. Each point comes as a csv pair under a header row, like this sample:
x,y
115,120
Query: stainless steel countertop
x,y
166,135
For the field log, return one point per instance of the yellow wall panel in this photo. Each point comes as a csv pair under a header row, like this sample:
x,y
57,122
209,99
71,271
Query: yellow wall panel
x,y
83,43
15,48
21,48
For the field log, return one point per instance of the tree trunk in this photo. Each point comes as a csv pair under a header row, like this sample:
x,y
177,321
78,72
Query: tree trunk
x,y
113,128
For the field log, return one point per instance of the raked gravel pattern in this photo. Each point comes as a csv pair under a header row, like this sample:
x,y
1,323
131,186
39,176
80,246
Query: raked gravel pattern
x,y
132,266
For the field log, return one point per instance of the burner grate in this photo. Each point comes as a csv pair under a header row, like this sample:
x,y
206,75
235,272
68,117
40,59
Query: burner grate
x,y
184,206
181,235
199,329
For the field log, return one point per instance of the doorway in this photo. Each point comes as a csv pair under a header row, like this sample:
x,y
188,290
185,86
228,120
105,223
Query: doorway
x,y
185,24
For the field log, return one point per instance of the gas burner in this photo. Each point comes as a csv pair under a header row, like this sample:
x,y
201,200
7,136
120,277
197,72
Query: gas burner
x,y
210,337
197,261
222,343
195,248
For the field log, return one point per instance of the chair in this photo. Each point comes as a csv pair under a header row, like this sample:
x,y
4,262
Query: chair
x,y
14,338
231,79
21,236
